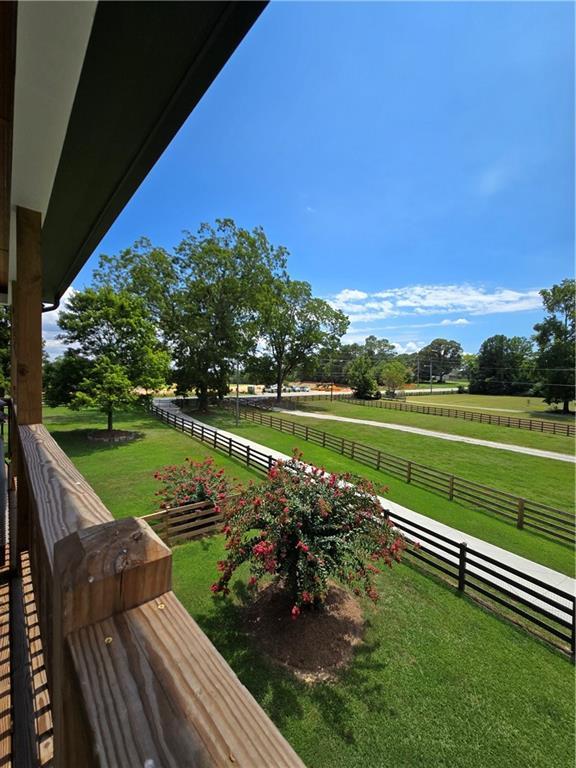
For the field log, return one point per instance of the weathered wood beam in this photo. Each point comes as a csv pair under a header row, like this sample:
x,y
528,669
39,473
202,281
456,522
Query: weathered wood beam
x,y
27,318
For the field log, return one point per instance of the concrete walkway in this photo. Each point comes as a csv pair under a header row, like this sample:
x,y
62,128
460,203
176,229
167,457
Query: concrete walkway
x,y
440,435
521,564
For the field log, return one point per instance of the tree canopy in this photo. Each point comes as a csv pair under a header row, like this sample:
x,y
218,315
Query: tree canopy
x,y
504,366
117,351
556,339
439,357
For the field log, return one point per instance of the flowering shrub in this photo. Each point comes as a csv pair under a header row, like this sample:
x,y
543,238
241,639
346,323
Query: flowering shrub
x,y
191,482
305,526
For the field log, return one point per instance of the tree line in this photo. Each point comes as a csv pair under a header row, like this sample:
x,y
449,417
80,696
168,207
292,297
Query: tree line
x,y
222,303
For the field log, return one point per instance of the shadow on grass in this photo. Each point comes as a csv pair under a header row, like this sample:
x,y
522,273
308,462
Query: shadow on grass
x,y
75,442
285,698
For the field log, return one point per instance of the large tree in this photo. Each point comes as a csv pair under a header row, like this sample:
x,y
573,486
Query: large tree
x,y
556,340
439,358
504,366
204,298
294,325
112,330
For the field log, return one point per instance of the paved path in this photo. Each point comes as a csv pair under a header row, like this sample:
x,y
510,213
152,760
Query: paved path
x,y
441,435
521,564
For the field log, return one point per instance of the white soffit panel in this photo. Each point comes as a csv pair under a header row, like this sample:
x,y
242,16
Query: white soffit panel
x,y
51,44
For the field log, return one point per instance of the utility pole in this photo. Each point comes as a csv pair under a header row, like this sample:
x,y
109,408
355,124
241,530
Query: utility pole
x,y
430,378
418,374
237,393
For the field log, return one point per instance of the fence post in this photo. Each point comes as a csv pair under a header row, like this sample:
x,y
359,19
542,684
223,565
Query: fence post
x,y
408,471
229,446
352,451
573,632
520,514
462,567
270,462
247,455
378,460
451,488
323,439
215,438
306,432
202,433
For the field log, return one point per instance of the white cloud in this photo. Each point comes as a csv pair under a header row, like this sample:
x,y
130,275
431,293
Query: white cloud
x,y
418,300
350,294
407,349
460,321
50,328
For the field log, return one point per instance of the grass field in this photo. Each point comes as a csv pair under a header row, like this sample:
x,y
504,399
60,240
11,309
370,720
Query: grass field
x,y
475,522
447,424
532,477
438,682
122,474
517,407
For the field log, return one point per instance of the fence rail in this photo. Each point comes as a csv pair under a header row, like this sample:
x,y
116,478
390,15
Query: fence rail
x,y
534,425
501,588
189,521
526,513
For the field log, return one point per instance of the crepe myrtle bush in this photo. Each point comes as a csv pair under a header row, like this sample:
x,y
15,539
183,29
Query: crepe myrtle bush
x,y
306,526
192,482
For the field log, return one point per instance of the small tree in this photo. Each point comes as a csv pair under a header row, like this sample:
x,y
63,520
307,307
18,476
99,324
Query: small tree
x,y
108,389
361,376
392,375
112,330
305,527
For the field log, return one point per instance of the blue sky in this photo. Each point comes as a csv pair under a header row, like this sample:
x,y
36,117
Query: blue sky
x,y
417,160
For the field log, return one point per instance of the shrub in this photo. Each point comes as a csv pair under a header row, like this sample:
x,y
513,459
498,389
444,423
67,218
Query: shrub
x,y
191,482
305,526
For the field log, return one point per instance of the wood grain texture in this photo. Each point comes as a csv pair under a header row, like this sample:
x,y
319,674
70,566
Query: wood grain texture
x,y
5,679
41,704
195,712
27,317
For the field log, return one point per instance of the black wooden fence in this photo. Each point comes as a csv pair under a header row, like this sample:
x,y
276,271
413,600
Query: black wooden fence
x,y
501,588
534,425
526,513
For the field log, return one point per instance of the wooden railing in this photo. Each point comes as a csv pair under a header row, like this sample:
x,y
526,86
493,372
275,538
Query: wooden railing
x,y
525,513
133,680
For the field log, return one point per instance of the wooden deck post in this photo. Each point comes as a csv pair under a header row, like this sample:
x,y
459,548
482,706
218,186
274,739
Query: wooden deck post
x,y
99,572
27,318
26,350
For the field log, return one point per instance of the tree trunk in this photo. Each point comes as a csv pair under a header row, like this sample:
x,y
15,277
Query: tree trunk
x,y
566,407
110,416
203,398
279,387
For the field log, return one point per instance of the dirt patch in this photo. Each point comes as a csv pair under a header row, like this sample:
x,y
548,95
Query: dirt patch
x,y
112,436
315,646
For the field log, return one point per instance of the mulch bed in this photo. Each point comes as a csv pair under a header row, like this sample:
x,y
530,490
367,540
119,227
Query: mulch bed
x,y
112,436
317,645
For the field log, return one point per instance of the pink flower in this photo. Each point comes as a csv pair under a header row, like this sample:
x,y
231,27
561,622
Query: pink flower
x,y
302,546
295,612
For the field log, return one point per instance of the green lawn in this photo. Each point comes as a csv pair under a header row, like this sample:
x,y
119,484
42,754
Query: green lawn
x,y
447,424
514,406
438,683
475,522
122,474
